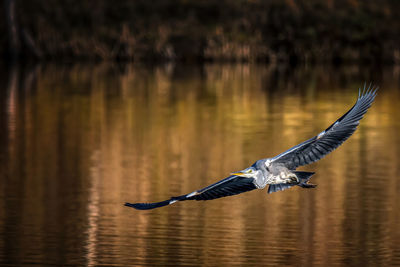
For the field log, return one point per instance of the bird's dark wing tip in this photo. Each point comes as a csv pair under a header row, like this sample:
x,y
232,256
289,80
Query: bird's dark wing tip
x,y
138,206
147,206
369,91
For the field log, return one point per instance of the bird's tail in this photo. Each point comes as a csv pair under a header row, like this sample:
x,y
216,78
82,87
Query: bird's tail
x,y
303,177
149,206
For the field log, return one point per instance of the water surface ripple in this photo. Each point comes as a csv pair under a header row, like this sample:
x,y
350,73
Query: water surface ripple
x,y
78,141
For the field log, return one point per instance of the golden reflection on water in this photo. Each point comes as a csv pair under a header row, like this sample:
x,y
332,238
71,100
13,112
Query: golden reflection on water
x,y
80,141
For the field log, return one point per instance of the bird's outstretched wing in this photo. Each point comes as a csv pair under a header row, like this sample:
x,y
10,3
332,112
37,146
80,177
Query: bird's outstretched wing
x,y
325,142
229,186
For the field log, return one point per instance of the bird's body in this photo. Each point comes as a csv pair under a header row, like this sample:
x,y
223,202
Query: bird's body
x,y
280,172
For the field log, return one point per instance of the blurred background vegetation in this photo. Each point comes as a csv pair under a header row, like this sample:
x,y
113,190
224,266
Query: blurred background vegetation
x,y
208,30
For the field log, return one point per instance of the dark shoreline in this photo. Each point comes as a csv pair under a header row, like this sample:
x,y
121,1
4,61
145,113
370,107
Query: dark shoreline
x,y
206,31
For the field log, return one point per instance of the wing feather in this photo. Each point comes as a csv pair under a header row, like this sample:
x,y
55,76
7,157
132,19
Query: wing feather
x,y
229,186
325,142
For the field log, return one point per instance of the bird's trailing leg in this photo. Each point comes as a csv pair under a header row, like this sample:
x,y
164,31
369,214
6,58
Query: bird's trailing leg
x,y
304,179
307,185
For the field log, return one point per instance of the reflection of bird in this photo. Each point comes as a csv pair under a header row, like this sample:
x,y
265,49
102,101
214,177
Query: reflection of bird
x,y
280,172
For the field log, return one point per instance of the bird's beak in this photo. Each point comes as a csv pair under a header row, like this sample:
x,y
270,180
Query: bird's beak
x,y
238,173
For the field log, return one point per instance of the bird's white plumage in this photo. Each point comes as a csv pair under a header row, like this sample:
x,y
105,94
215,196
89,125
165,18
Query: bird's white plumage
x,y
320,134
191,194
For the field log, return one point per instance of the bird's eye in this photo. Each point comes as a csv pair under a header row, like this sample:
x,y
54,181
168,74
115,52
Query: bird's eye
x,y
250,171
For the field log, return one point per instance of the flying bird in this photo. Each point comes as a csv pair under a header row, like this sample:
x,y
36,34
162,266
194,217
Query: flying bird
x,y
279,172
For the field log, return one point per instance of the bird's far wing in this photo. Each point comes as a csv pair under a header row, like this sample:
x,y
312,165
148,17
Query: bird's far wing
x,y
325,142
229,186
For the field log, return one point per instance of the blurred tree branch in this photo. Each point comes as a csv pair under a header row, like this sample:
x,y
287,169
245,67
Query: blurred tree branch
x,y
190,30
18,36
14,45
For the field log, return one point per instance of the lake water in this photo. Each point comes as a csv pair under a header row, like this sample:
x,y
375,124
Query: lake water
x,y
76,142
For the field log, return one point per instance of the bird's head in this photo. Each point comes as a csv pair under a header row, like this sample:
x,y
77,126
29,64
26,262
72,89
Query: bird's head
x,y
249,172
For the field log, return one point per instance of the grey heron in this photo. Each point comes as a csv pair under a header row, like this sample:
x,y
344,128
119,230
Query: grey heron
x,y
279,172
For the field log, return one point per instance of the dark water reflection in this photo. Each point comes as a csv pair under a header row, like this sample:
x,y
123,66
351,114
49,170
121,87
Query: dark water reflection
x,y
77,142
